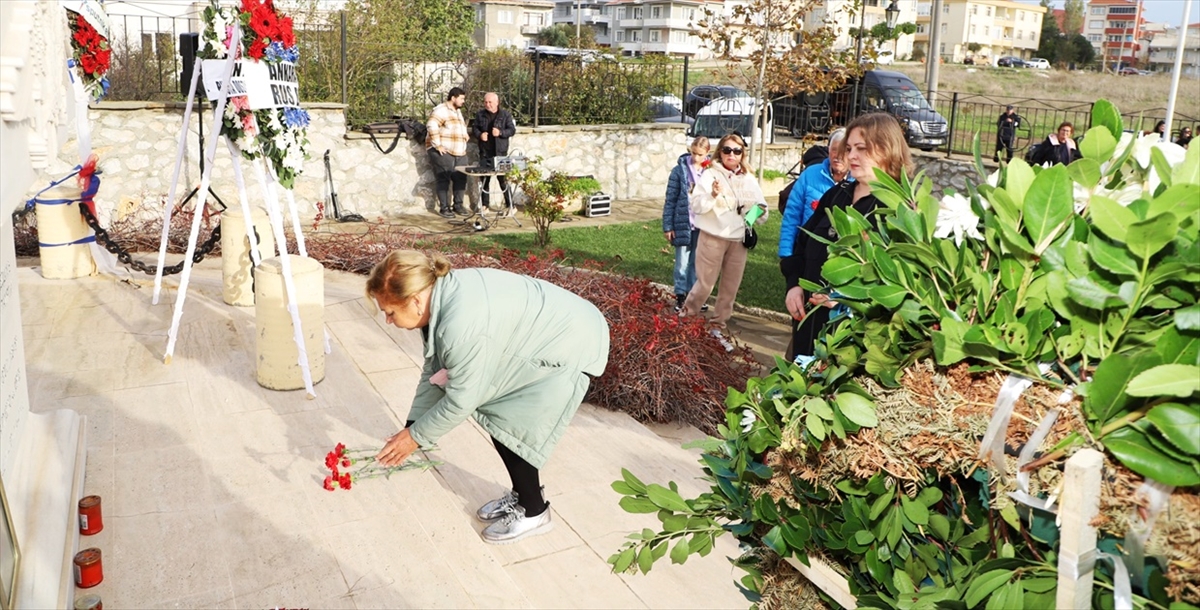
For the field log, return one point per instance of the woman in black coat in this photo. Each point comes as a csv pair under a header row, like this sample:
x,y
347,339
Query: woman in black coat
x,y
872,141
1058,147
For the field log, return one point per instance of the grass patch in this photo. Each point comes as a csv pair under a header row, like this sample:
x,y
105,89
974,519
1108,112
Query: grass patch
x,y
638,249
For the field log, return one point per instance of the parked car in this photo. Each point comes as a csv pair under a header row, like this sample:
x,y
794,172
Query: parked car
x,y
1009,61
879,90
1127,71
668,109
726,115
701,95
1039,63
885,58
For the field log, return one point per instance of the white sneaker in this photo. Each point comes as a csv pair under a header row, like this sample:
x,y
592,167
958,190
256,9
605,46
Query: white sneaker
x,y
515,526
716,332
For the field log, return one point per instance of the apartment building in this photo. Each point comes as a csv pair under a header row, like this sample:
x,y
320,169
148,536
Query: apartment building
x,y
1114,29
1165,45
594,15
995,27
510,23
844,17
660,26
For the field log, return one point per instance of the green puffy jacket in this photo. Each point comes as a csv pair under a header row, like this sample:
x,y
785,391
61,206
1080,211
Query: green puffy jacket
x,y
517,350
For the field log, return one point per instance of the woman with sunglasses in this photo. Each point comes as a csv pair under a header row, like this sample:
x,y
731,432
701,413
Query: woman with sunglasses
x,y
723,201
872,141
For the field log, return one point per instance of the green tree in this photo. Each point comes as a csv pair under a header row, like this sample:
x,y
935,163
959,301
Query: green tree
x,y
381,36
1072,17
555,35
1082,51
1050,45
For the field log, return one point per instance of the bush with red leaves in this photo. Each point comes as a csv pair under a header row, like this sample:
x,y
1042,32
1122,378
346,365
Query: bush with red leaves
x,y
661,367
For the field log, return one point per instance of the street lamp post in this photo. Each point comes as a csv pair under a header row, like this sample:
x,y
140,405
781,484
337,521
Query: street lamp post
x,y
892,13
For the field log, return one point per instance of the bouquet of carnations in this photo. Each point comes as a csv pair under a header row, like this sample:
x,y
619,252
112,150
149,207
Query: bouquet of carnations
x,y
279,134
91,53
367,466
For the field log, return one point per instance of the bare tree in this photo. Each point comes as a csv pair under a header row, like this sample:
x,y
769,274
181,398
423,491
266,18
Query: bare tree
x,y
778,54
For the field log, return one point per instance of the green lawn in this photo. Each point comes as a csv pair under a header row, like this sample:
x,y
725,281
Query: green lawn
x,y
638,249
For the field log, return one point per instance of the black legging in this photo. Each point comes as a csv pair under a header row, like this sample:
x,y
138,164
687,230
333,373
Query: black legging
x,y
525,479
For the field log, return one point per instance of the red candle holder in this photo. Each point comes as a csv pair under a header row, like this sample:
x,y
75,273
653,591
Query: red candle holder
x,y
89,571
91,521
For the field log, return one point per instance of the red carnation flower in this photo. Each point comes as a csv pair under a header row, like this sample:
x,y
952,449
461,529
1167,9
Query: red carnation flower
x,y
248,6
264,22
89,64
329,484
345,462
345,481
103,59
331,460
257,49
287,34
340,449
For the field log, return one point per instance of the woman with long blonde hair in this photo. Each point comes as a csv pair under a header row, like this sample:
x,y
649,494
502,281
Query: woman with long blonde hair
x,y
873,141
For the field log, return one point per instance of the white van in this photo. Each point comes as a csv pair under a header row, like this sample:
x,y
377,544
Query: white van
x,y
729,114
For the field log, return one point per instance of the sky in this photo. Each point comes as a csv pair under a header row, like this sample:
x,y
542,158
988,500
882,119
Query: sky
x,y
1161,11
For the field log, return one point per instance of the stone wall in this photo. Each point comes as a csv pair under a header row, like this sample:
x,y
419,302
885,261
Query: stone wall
x,y
137,143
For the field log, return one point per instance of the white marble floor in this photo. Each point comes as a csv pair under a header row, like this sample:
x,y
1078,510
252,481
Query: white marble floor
x,y
211,485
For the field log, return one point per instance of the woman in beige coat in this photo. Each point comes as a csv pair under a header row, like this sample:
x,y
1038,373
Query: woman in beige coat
x,y
722,199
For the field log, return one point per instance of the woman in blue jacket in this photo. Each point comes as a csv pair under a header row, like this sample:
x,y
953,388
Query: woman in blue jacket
x,y
679,222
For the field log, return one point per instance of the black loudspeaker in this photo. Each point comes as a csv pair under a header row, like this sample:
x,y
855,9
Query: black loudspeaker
x,y
189,46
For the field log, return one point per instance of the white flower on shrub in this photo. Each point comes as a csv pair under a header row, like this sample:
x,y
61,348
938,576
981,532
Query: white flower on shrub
x,y
1173,152
1124,195
748,419
955,216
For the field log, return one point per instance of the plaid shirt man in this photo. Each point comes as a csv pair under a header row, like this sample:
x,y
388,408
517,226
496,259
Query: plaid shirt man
x,y
447,130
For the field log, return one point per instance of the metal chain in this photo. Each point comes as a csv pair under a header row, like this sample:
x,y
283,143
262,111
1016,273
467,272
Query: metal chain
x,y
126,258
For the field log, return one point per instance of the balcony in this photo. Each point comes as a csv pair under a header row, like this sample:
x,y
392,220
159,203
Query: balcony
x,y
670,48
662,22
531,30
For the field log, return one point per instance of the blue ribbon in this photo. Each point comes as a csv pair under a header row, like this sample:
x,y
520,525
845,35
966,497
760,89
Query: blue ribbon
x,y
83,240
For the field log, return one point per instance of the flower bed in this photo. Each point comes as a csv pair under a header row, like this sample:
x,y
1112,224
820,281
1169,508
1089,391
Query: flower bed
x,y
1077,282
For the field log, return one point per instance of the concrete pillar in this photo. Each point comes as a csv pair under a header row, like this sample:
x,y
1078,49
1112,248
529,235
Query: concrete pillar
x,y
63,235
236,263
278,368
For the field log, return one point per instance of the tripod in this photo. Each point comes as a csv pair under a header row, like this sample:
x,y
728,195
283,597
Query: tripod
x,y
196,189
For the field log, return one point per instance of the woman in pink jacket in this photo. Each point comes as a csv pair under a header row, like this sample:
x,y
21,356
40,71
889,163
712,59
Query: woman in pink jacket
x,y
723,200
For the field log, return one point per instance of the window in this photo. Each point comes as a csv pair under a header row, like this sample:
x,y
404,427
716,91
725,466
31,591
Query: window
x,y
921,29
679,36
989,11
946,9
1118,24
504,17
923,10
1114,38
656,12
944,28
998,33
621,13
974,9
691,14
637,12
1094,38
479,14
1020,35
654,36
505,42
621,35
1020,15
972,29
1122,10
1096,24
635,36
942,48
1097,10
534,19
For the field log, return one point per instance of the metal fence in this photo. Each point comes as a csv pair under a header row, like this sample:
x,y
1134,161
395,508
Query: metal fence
x,y
969,114
382,81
